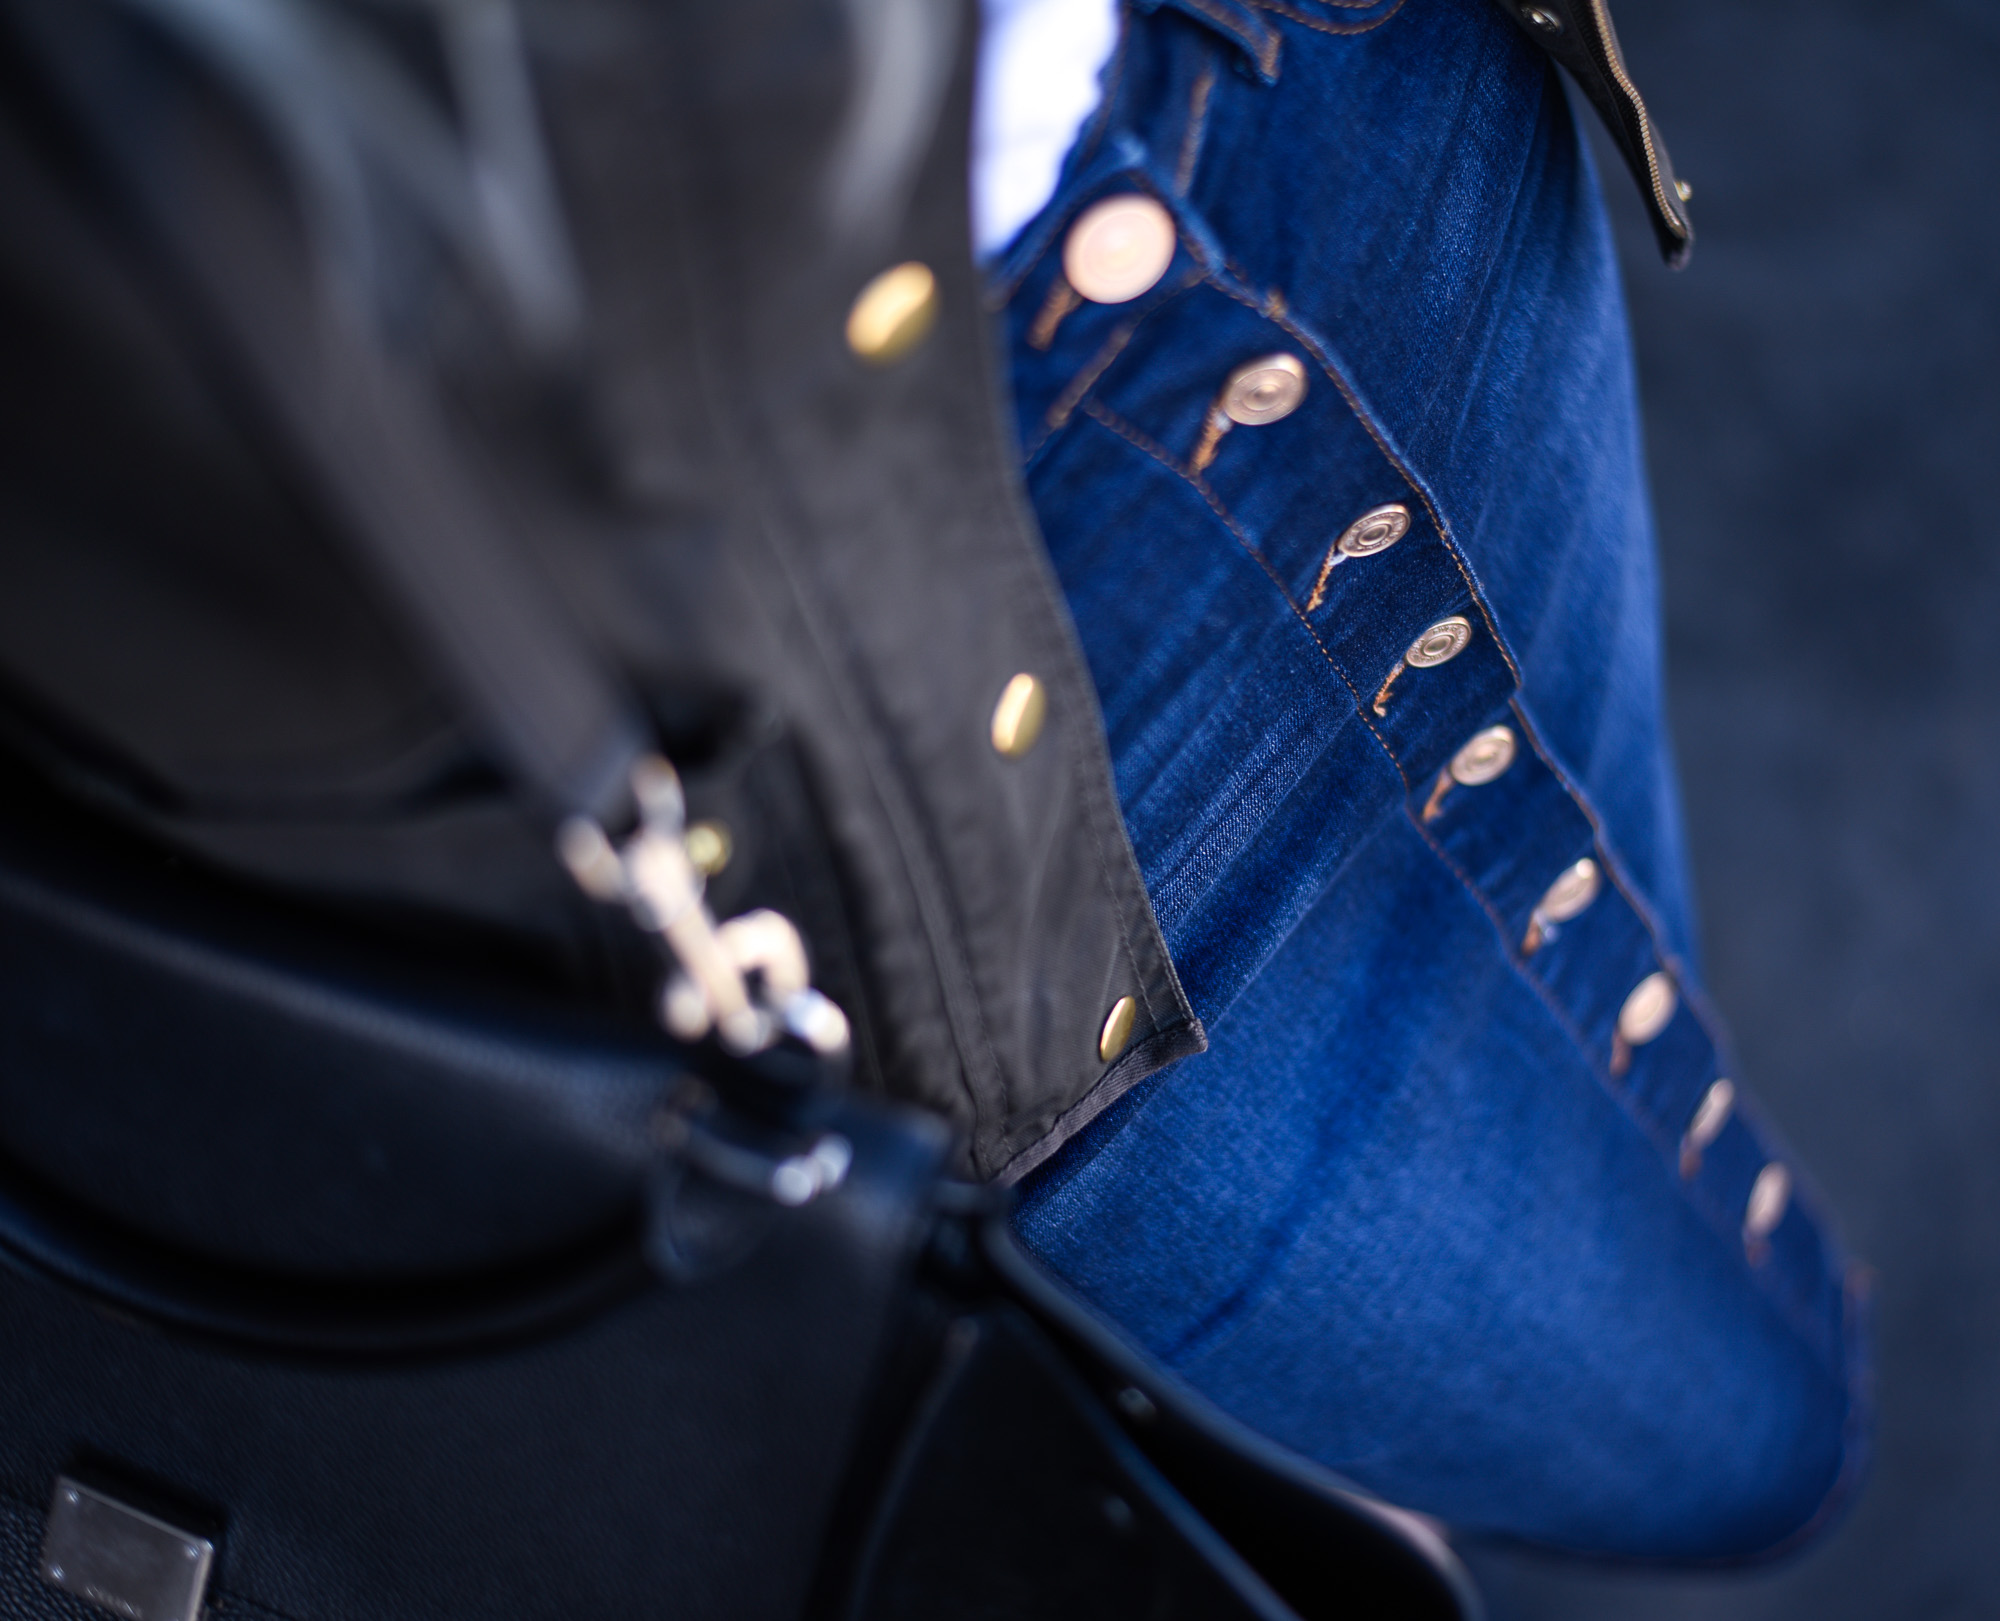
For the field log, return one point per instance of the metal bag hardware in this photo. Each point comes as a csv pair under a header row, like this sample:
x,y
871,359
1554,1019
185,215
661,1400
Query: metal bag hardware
x,y
121,1560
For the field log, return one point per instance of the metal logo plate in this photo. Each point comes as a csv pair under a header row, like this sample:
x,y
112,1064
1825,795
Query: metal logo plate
x,y
122,1560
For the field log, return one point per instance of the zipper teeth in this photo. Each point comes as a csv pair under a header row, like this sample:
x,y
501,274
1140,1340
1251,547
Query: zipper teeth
x,y
1607,45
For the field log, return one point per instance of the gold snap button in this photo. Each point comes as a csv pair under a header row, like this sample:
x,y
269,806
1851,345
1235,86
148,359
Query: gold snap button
x,y
1649,1009
1018,716
709,847
1117,1028
1442,643
1376,530
1119,248
1769,1195
1572,892
1486,756
1264,390
893,313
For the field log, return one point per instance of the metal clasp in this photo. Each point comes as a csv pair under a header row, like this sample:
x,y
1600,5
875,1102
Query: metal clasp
x,y
746,979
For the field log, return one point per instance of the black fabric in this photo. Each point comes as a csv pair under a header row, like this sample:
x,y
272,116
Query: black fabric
x,y
699,477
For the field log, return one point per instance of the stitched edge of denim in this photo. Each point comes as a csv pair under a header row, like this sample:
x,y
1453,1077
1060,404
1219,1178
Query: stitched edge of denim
x,y
1664,1144
1283,319
1725,1225
1197,126
1721,1222
1328,27
1107,418
1726,1222
1264,48
1274,308
1691,991
1086,376
1692,994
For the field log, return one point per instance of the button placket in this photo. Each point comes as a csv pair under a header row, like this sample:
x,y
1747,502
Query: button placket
x,y
1280,475
1521,853
1506,836
1074,338
1585,963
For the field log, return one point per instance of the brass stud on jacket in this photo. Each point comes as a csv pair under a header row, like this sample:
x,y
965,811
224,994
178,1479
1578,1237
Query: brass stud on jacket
x,y
893,313
1117,1028
1018,716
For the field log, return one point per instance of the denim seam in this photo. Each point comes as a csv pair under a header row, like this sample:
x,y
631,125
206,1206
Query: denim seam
x,y
1271,309
1086,376
1622,881
1057,308
1727,1227
1103,414
1264,52
1056,418
1726,1223
1417,488
1274,309
1197,127
1324,27
1508,950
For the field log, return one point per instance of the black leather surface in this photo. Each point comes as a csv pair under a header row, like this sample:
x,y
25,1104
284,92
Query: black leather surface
x,y
1016,1496
678,1453
1580,35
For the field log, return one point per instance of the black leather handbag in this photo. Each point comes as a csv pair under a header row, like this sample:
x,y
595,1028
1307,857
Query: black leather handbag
x,y
393,1301
340,1278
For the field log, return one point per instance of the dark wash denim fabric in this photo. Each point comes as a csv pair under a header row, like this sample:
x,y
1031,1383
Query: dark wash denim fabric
x,y
1417,1212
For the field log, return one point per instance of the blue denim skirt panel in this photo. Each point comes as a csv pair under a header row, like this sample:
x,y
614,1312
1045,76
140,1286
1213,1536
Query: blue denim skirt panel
x,y
1461,1201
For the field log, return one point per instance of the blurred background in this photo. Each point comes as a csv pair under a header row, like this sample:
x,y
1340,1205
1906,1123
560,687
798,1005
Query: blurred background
x,y
1823,397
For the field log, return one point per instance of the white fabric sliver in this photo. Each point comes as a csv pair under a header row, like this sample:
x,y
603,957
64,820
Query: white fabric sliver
x,y
1040,63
